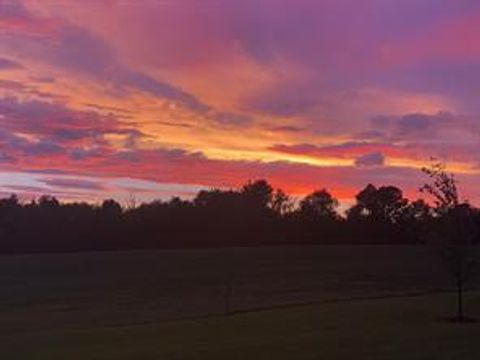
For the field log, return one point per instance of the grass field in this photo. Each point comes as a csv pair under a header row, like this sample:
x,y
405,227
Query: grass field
x,y
366,302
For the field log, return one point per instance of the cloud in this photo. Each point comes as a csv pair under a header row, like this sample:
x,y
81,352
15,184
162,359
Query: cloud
x,y
39,148
78,154
229,118
371,159
415,125
32,129
59,123
176,166
285,98
6,158
326,66
29,192
123,77
174,124
27,90
15,146
349,149
286,129
74,48
15,17
110,109
6,64
70,183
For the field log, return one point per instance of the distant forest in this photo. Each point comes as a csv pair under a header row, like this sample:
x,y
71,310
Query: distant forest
x,y
254,215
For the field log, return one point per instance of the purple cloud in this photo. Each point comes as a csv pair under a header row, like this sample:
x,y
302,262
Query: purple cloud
x,y
58,122
369,160
76,49
6,64
286,129
418,126
74,184
228,118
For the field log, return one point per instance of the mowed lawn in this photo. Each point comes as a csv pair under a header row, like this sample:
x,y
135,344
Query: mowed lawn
x,y
362,302
400,328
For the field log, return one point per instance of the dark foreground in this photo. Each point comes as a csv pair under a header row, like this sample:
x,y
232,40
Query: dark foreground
x,y
365,302
400,328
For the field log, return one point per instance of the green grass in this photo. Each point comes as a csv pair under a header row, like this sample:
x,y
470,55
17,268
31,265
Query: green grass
x,y
395,328
168,305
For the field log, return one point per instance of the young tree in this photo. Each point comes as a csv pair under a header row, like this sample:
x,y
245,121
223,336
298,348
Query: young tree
x,y
453,228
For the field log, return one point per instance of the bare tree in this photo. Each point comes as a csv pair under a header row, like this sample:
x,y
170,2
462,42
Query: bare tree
x,y
454,229
131,202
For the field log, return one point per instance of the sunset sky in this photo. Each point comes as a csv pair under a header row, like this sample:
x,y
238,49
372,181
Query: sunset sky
x,y
153,98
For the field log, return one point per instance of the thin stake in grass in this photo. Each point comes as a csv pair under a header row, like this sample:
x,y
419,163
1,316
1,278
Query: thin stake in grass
x,y
227,296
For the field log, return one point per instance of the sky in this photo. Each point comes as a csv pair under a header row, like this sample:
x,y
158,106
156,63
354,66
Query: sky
x,y
147,99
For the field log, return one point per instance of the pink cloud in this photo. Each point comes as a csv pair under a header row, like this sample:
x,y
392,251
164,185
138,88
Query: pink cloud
x,y
370,82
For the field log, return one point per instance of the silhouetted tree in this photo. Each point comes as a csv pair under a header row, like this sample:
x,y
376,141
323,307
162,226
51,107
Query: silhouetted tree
x,y
48,202
111,208
316,219
454,229
384,204
320,204
10,210
258,194
415,218
255,214
219,215
281,203
377,213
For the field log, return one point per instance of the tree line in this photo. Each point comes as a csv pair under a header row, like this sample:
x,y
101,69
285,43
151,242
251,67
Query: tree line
x,y
255,214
